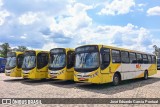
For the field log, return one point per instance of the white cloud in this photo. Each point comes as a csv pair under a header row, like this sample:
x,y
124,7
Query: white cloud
x,y
117,7
77,19
68,25
3,15
23,37
48,46
141,5
28,18
1,3
154,11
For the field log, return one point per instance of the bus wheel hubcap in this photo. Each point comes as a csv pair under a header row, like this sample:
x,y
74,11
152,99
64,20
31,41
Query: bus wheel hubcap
x,y
116,80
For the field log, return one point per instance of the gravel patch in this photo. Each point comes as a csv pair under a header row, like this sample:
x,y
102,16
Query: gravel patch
x,y
20,88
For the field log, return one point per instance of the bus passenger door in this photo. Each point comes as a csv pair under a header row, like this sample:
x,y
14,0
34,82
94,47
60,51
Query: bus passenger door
x,y
42,65
105,60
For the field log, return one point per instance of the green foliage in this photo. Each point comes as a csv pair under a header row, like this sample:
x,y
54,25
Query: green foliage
x,y
22,48
156,51
4,49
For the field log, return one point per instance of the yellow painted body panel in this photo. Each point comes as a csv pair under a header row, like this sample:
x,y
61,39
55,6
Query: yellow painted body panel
x,y
36,73
15,72
106,75
63,74
151,71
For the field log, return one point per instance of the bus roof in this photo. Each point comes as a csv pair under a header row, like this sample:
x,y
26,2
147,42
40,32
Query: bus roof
x,y
37,51
118,48
64,48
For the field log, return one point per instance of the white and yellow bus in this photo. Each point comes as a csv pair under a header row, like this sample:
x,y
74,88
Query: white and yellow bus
x,y
103,64
14,64
35,64
61,64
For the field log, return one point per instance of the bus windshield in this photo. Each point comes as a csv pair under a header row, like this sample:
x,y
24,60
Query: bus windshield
x,y
11,62
57,60
29,62
158,61
87,60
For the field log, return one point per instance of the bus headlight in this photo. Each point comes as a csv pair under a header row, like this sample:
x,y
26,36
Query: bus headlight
x,y
61,72
93,75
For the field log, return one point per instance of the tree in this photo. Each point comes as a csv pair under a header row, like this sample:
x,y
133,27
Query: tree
x,y
4,49
156,51
22,48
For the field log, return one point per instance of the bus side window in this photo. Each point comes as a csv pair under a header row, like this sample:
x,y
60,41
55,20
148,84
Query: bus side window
x,y
153,59
70,59
42,60
20,61
124,57
133,58
116,56
105,57
145,59
139,58
149,59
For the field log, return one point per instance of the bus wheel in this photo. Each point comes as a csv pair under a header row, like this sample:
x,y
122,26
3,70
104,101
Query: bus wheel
x,y
146,75
116,79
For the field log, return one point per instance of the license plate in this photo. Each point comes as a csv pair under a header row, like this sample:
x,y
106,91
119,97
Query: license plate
x,y
52,76
25,76
7,74
82,79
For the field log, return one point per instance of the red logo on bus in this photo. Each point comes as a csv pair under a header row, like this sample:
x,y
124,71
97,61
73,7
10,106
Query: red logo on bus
x,y
138,66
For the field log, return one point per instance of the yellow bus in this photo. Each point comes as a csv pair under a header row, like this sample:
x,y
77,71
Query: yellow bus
x,y
14,64
35,64
61,64
103,64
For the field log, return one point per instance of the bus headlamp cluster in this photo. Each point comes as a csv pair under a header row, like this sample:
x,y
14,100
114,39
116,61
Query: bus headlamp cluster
x,y
86,75
61,72
8,71
93,75
55,72
25,71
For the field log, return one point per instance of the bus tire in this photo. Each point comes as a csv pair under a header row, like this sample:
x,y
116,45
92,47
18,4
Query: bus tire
x,y
116,79
145,75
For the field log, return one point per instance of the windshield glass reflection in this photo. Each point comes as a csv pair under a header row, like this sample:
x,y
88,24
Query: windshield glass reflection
x,y
87,60
57,60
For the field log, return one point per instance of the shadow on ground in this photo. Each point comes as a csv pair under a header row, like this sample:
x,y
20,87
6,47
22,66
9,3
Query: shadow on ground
x,y
107,89
127,85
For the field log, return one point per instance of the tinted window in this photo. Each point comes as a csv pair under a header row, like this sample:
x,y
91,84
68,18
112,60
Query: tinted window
x,y
20,61
149,59
70,59
42,60
133,58
116,56
105,58
145,59
153,59
139,58
124,57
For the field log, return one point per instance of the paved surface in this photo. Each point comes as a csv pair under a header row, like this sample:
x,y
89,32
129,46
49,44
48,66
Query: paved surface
x,y
20,88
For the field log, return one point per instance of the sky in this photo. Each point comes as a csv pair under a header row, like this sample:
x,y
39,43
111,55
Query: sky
x,y
47,24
